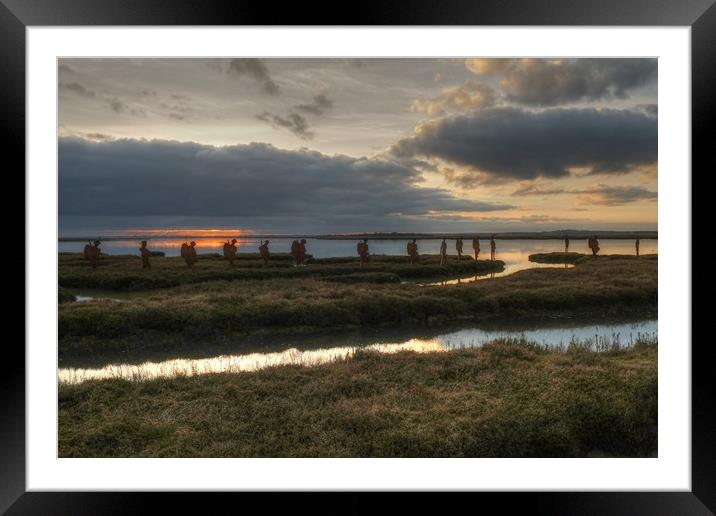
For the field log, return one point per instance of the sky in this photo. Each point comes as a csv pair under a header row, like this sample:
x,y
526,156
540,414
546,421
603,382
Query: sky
x,y
353,145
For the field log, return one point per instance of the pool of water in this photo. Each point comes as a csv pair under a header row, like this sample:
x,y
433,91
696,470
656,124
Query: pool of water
x,y
510,268
88,294
328,348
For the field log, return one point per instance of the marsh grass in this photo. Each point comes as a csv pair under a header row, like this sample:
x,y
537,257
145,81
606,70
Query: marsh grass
x,y
597,287
556,257
124,273
64,297
506,399
574,258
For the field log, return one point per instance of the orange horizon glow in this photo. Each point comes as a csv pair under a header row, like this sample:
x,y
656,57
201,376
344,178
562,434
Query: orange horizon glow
x,y
199,232
201,243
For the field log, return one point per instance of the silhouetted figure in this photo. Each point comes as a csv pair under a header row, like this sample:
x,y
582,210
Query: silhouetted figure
x,y
188,252
230,251
264,251
362,249
146,253
476,247
594,245
493,246
443,252
458,248
301,251
413,252
92,253
636,245
566,244
295,251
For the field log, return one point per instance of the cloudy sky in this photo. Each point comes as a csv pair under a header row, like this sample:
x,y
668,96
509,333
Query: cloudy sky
x,y
337,145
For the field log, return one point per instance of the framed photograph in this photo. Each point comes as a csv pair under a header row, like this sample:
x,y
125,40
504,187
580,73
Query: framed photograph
x,y
427,248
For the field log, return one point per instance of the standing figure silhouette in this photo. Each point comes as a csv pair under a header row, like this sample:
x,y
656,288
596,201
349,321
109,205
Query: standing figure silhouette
x,y
476,247
362,249
443,252
92,253
146,253
493,246
264,251
594,245
458,248
294,252
413,252
230,251
301,251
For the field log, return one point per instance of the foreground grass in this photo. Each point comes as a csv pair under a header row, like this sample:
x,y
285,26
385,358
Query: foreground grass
x,y
594,287
124,273
502,400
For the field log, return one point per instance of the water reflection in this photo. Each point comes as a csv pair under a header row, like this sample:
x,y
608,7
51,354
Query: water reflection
x,y
509,269
597,335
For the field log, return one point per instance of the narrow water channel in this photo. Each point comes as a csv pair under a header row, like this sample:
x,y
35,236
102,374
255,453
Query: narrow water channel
x,y
598,336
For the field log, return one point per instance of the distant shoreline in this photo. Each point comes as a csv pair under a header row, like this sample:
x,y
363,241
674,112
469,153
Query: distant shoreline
x,y
541,235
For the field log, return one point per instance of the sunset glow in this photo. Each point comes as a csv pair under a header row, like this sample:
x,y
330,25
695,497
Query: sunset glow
x,y
327,146
201,232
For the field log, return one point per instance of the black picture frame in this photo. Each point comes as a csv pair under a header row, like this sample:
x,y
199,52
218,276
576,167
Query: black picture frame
x,y
700,15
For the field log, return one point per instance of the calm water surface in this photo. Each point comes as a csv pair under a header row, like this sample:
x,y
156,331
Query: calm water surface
x,y
342,347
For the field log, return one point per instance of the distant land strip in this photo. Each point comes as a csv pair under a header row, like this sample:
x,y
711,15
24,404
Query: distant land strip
x,y
527,235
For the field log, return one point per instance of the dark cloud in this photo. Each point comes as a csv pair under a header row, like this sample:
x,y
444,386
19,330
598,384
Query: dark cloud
x,y
256,70
321,103
599,194
295,123
98,136
117,105
121,107
77,88
176,111
549,82
502,144
156,178
536,191
649,109
65,68
605,195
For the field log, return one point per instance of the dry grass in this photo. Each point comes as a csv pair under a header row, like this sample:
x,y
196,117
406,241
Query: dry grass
x,y
503,400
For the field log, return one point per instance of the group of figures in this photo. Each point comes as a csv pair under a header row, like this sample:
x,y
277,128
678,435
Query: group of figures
x,y
230,251
298,251
458,248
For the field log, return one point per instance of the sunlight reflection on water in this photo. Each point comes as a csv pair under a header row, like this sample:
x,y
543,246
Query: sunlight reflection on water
x,y
597,336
